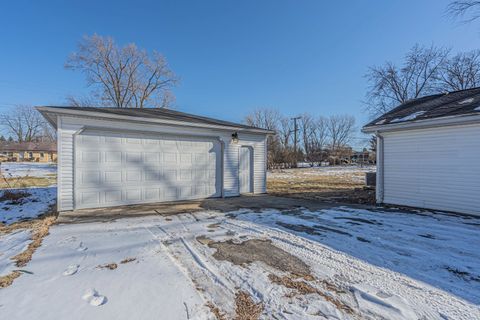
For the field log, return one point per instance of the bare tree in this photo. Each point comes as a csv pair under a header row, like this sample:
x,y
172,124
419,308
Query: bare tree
x,y
285,131
307,131
266,118
467,10
390,85
123,76
24,123
341,129
320,138
460,72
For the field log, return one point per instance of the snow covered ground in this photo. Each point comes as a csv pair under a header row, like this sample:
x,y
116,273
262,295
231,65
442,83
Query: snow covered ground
x,y
32,169
362,264
37,203
356,173
68,281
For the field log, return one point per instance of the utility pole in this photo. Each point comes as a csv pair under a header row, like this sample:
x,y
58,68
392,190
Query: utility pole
x,y
295,130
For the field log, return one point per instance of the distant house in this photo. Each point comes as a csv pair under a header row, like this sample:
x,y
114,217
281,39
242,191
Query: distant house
x,y
428,152
28,151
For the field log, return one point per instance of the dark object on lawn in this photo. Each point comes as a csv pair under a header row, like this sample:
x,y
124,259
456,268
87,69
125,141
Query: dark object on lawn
x,y
14,196
371,179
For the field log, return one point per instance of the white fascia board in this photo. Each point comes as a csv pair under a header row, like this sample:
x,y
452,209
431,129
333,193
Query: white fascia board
x,y
46,111
428,123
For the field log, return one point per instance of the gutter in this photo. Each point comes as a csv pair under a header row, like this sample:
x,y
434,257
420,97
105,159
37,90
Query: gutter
x,y
427,123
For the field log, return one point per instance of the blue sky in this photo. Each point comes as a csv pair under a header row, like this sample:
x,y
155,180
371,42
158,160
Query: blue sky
x,y
231,56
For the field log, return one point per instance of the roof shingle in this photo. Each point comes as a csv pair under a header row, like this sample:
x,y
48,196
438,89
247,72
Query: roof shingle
x,y
159,113
462,102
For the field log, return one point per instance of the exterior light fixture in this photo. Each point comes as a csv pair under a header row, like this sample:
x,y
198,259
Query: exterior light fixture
x,y
235,137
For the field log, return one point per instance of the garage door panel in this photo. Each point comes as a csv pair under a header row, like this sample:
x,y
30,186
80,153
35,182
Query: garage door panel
x,y
125,169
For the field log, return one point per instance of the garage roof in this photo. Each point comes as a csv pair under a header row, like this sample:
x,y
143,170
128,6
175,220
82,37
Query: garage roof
x,y
148,114
457,103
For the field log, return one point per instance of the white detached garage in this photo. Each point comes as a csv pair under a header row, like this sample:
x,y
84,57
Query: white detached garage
x,y
111,156
428,153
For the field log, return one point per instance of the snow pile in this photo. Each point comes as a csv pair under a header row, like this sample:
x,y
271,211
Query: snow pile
x,y
37,203
31,169
10,245
411,116
466,101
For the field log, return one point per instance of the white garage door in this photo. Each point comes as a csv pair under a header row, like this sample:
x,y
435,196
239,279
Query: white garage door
x,y
117,169
434,168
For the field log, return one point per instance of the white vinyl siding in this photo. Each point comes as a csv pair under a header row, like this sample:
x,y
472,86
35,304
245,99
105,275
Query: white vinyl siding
x,y
435,168
68,126
65,173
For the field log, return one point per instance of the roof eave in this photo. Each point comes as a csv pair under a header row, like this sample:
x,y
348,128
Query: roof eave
x,y
48,111
426,123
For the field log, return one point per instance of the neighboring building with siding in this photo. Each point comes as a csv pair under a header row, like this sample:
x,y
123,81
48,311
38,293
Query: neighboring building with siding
x,y
428,153
119,156
28,151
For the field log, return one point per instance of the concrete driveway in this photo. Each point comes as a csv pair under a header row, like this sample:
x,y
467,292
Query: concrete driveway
x,y
252,202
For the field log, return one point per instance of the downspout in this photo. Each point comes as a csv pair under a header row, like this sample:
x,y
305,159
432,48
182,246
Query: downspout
x,y
379,194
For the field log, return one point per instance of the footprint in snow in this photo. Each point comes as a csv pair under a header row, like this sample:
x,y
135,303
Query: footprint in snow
x,y
81,247
67,240
71,269
93,298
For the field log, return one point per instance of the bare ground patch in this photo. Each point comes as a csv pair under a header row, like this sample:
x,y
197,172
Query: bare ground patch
x,y
249,251
298,278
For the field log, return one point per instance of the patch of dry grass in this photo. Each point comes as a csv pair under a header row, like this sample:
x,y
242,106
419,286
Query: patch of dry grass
x,y
40,229
246,308
216,311
26,182
110,266
127,260
302,287
7,280
295,183
345,188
